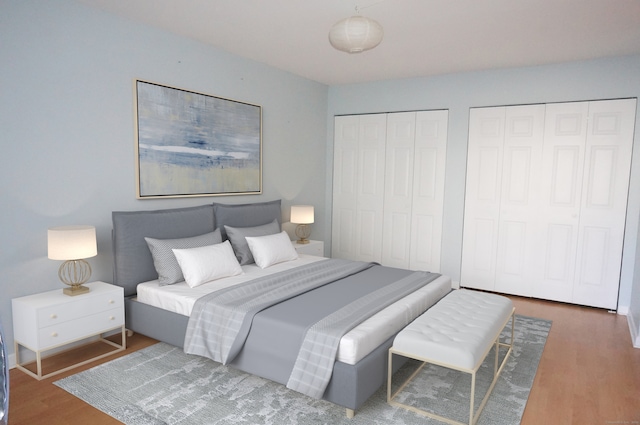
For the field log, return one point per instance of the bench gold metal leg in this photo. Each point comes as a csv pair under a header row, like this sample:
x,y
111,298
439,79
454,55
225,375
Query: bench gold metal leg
x,y
473,393
473,418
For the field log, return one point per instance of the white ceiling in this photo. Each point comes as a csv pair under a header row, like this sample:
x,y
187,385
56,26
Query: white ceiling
x,y
422,37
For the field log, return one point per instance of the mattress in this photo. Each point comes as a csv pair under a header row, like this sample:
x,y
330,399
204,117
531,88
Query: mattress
x,y
360,341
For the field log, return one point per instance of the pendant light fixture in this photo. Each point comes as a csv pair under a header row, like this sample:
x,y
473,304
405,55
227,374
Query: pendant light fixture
x,y
356,34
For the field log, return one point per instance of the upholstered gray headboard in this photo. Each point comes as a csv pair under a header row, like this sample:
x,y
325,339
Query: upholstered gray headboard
x,y
132,259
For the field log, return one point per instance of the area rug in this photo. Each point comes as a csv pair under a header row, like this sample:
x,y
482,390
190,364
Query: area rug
x,y
162,385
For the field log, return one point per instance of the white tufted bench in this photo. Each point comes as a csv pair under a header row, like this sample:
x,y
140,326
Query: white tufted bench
x,y
458,333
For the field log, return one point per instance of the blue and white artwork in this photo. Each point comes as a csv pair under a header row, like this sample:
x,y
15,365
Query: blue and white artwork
x,y
192,144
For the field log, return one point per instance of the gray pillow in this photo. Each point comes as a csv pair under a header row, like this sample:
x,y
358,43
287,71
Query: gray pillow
x,y
240,246
165,261
246,215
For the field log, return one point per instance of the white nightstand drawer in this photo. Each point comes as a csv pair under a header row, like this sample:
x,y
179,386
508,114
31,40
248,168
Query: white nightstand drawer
x,y
88,305
63,333
311,248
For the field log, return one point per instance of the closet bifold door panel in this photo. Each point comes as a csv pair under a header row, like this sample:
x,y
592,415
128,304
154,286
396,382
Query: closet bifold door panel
x,y
561,181
482,197
430,156
605,187
358,187
546,200
407,197
518,212
398,189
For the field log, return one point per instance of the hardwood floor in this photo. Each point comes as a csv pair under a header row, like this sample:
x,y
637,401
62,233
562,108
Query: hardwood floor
x,y
36,402
589,374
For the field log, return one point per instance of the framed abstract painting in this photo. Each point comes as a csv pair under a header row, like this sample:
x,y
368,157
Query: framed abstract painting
x,y
194,144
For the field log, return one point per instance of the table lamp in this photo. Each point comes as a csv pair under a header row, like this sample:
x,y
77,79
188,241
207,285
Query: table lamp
x,y
73,244
302,215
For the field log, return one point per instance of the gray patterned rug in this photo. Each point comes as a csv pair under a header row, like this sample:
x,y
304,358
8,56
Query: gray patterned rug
x,y
162,385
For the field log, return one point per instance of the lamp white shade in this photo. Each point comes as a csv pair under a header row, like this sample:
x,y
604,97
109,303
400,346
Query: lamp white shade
x,y
302,214
356,34
71,242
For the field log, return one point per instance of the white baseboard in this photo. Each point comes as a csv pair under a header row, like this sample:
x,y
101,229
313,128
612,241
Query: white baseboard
x,y
12,361
634,329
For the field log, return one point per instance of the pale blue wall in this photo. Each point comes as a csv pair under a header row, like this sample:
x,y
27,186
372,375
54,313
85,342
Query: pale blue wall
x,y
67,129
599,79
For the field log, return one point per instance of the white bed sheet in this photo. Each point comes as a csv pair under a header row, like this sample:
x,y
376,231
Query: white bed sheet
x,y
180,298
354,345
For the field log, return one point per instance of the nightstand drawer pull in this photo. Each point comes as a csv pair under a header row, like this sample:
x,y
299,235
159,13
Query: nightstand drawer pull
x,y
111,318
54,316
111,302
54,334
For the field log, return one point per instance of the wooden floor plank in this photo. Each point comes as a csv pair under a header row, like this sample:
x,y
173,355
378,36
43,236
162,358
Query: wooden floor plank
x,y
589,374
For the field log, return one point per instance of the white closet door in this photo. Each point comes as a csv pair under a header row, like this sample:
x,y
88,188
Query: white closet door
x,y
482,200
430,155
388,188
358,187
559,209
345,187
545,211
604,202
370,196
519,214
398,192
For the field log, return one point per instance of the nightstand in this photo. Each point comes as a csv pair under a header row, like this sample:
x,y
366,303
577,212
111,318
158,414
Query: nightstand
x,y
49,320
311,248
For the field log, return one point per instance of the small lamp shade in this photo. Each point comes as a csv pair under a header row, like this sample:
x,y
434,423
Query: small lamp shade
x,y
73,244
302,214
356,34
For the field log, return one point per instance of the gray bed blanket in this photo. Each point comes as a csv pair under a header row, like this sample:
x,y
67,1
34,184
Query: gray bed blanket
x,y
314,364
220,321
311,365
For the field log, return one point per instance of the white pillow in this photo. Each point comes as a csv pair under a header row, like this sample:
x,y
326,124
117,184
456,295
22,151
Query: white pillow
x,y
207,263
271,249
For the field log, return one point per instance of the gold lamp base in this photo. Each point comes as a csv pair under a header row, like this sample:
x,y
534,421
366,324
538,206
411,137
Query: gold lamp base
x,y
75,290
74,273
303,231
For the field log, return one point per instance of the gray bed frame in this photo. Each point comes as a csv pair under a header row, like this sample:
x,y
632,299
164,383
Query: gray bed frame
x,y
350,385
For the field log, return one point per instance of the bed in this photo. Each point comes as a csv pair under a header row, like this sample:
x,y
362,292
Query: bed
x,y
162,311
